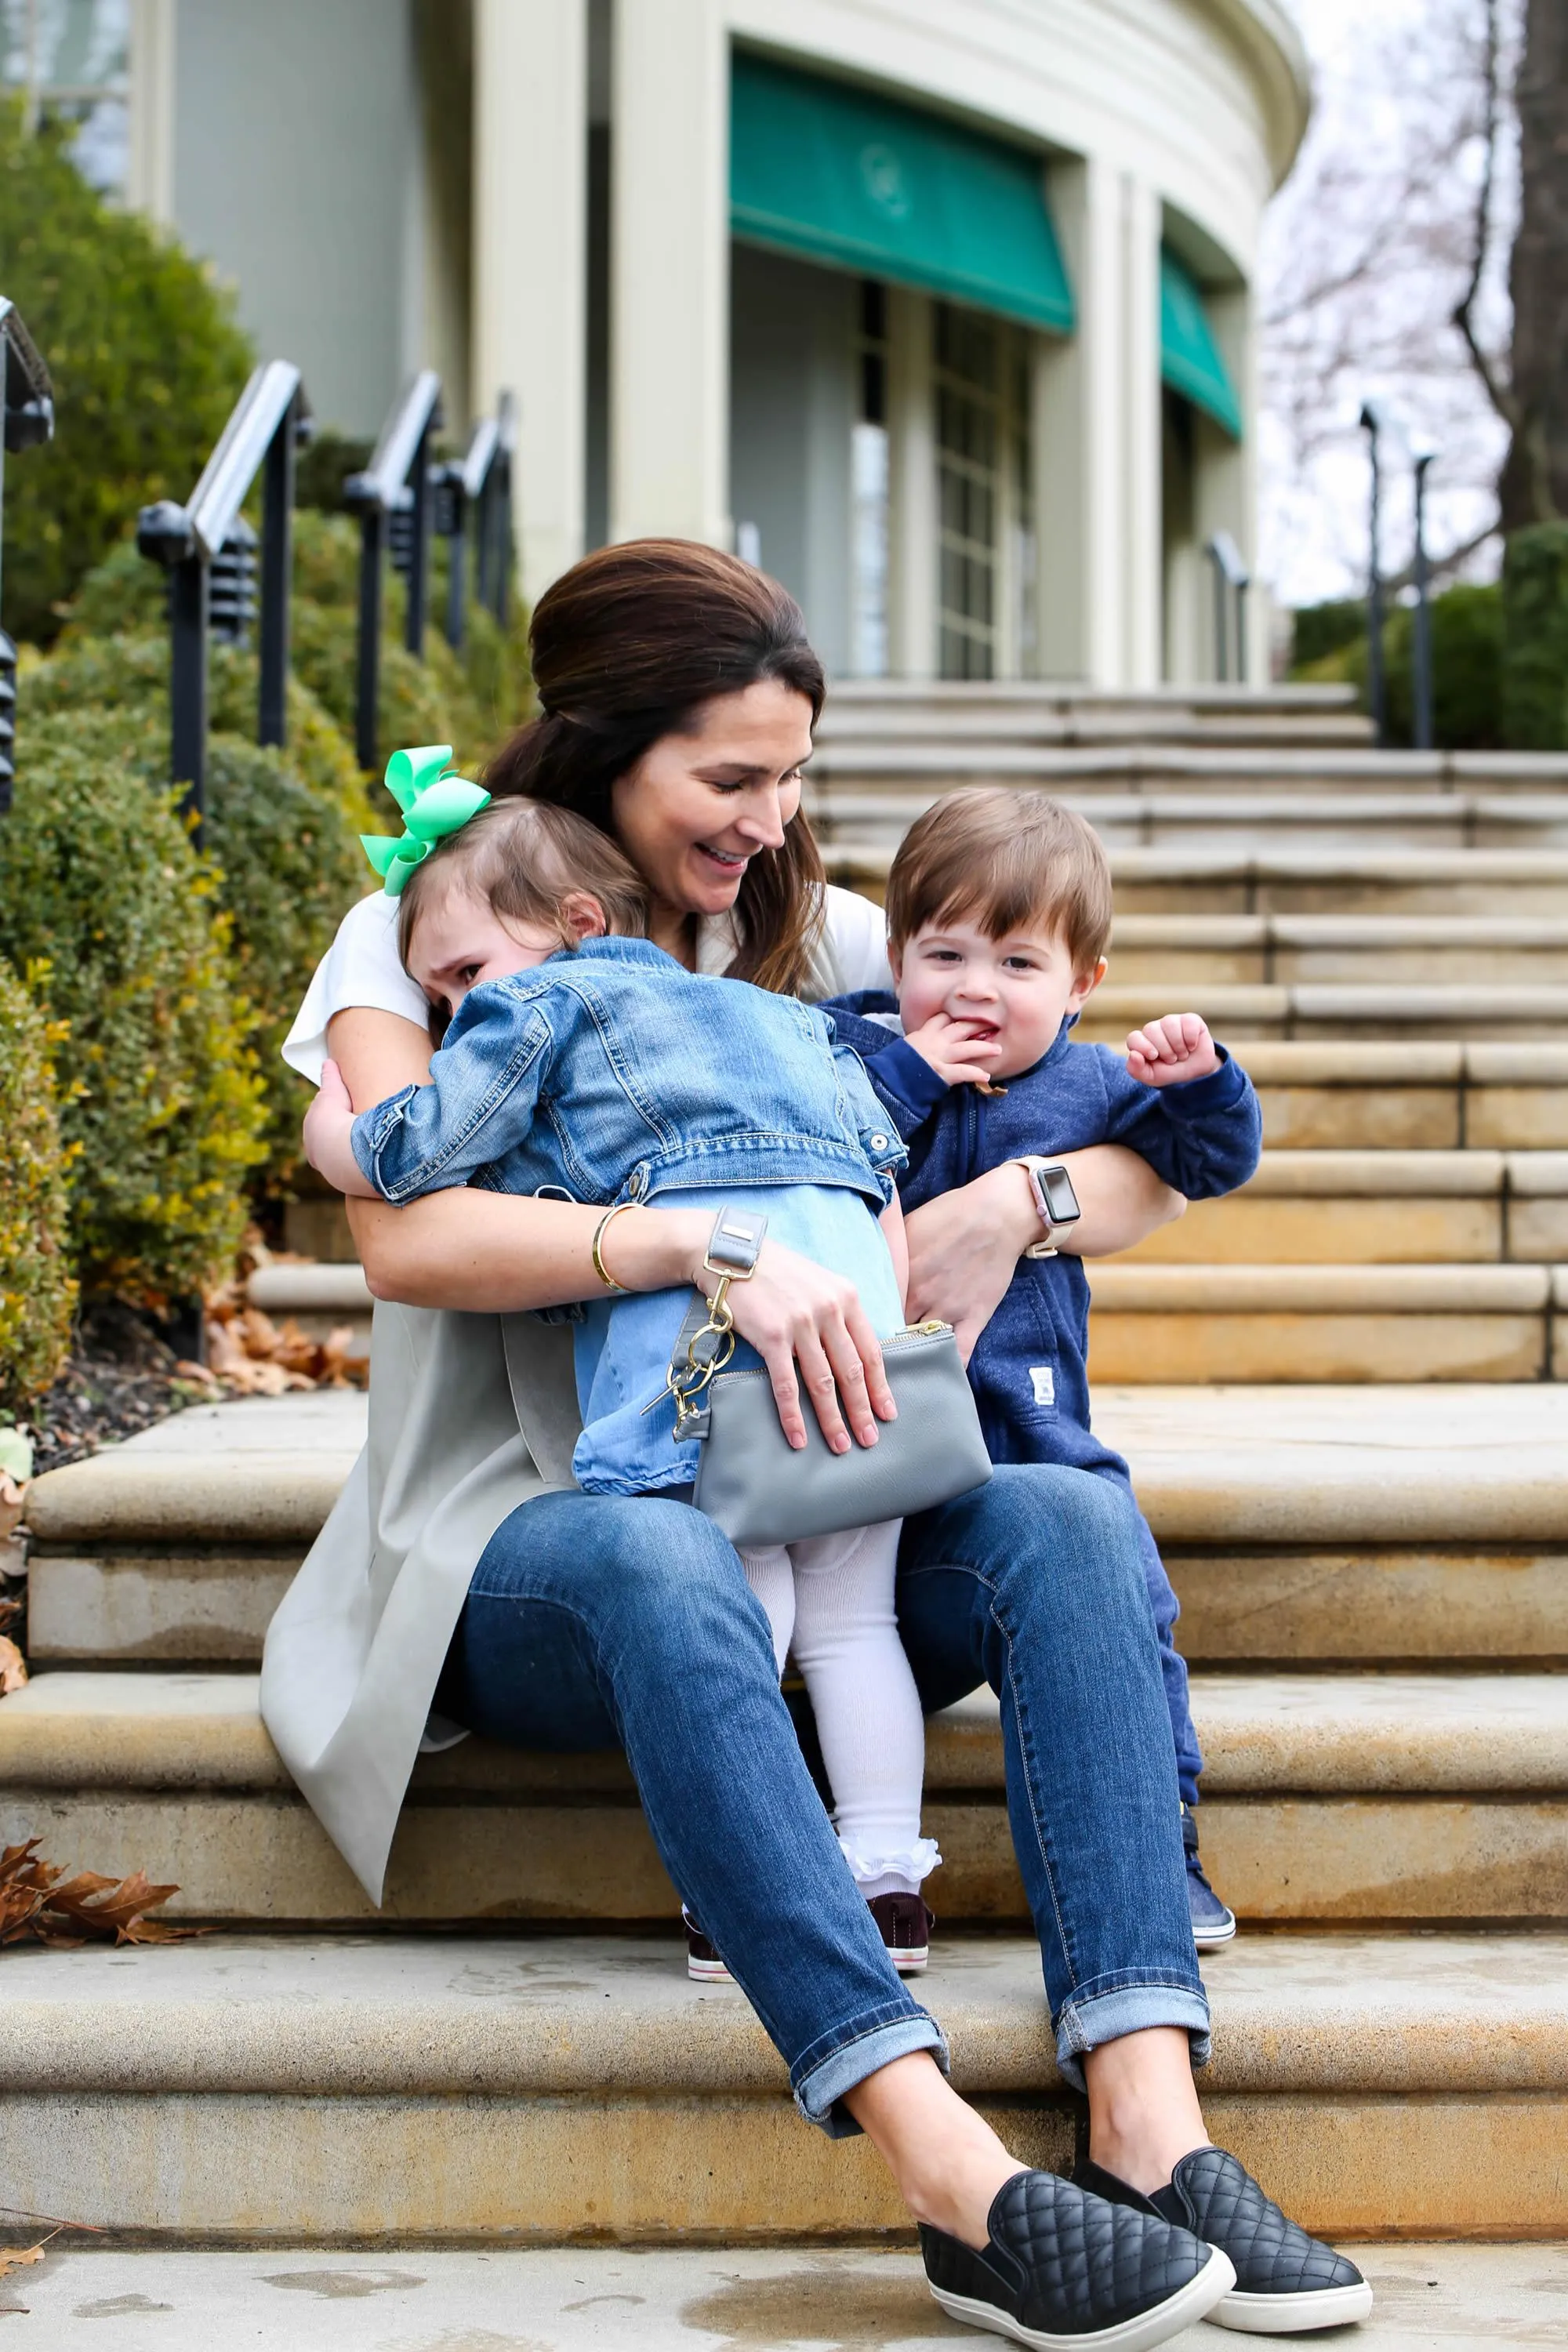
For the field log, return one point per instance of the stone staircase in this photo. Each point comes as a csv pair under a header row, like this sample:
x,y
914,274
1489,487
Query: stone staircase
x,y
1339,1393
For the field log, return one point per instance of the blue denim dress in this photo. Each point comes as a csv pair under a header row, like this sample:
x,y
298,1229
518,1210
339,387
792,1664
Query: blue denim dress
x,y
611,1073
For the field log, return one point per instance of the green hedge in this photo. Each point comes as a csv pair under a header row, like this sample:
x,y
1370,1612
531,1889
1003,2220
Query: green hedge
x,y
162,1092
1466,669
1318,630
1535,662
37,1294
146,358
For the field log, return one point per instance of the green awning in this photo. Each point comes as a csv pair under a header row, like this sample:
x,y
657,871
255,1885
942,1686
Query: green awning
x,y
857,181
1190,358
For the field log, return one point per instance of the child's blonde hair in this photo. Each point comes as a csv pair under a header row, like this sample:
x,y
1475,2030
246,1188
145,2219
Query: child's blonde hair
x,y
1007,860
525,858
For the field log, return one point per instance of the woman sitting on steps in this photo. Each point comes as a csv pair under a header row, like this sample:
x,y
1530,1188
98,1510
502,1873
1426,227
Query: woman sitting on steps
x,y
679,697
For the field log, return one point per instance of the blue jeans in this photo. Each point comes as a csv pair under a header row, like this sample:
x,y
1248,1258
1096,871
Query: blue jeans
x,y
595,1620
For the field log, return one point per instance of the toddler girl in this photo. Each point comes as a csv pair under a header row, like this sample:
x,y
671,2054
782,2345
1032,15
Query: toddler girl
x,y
579,1059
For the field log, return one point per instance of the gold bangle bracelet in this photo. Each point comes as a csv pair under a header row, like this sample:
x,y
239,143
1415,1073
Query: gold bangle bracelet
x,y
616,1289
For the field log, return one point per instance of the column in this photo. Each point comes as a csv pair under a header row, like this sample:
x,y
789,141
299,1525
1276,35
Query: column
x,y
911,487
149,177
1143,551
1226,484
669,272
1096,436
530,260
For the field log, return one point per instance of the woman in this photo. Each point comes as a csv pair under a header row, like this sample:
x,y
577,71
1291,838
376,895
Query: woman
x,y
679,696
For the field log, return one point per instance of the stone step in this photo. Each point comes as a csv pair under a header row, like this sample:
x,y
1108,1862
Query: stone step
x,y
863,710
1426,1009
1161,1323
1476,1207
1335,1796
290,2091
877,764
1319,1523
1359,1094
1174,951
1264,1288
859,831
1348,881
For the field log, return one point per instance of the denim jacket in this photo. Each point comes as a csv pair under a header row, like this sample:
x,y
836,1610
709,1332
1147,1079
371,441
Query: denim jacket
x,y
611,1073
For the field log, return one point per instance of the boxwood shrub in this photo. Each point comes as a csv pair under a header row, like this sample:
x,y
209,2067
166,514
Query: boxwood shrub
x,y
37,1294
146,358
160,1088
1535,658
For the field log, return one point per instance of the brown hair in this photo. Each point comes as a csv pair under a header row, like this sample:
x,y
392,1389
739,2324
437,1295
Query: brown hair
x,y
1009,859
525,858
627,646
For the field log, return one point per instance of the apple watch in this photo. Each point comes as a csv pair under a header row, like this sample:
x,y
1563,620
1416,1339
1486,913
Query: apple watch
x,y
1054,1198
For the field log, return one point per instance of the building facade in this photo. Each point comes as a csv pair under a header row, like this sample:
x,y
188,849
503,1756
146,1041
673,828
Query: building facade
x,y
939,310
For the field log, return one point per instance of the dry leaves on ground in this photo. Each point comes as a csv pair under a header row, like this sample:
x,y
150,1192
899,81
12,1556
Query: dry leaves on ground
x,y
13,1668
24,2255
249,1355
37,1900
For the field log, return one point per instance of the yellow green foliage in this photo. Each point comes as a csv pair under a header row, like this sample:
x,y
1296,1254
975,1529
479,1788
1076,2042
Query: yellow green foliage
x,y
146,358
160,1091
38,1295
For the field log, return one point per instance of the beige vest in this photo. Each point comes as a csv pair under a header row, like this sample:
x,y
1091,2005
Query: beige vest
x,y
462,1408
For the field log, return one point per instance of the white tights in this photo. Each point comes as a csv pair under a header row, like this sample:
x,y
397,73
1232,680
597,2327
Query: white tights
x,y
831,1601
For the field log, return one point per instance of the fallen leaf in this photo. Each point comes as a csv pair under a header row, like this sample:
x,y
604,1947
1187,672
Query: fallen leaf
x,y
18,2261
13,1502
13,1667
37,1900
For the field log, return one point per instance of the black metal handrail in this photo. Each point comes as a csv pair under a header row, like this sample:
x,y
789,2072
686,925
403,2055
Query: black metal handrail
x,y
1231,579
480,485
268,421
1383,423
28,400
398,480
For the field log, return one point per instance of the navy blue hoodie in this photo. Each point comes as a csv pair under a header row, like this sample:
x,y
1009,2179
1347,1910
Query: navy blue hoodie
x,y
1030,1366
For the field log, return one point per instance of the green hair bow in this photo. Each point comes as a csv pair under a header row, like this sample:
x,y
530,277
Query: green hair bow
x,y
434,803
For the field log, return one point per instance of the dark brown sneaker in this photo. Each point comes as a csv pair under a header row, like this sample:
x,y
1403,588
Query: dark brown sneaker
x,y
703,1965
906,1925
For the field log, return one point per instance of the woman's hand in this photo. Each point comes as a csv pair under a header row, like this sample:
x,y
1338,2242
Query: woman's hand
x,y
812,1332
965,1247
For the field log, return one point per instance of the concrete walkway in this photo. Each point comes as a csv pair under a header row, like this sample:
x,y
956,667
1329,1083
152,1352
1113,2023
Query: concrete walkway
x,y
1446,2298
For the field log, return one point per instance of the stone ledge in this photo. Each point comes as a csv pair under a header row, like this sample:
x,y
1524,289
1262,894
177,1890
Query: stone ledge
x,y
1426,1004
1474,933
120,1497
326,1289
1155,1289
1339,1733
476,2017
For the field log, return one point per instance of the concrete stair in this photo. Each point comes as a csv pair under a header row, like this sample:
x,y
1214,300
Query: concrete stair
x,y
1341,1394
296,2089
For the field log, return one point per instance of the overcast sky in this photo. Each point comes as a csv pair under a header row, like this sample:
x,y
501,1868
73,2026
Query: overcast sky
x,y
1395,83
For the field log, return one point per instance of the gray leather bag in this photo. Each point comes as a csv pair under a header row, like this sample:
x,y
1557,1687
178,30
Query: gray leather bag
x,y
759,1490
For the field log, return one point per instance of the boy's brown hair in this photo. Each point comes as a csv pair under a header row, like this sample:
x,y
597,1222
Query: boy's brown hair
x,y
525,857
1006,860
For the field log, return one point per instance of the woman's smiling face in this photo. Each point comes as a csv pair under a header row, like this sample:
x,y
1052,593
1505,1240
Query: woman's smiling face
x,y
699,806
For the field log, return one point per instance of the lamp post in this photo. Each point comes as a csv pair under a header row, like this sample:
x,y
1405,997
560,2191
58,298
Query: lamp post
x,y
1375,421
27,398
1422,453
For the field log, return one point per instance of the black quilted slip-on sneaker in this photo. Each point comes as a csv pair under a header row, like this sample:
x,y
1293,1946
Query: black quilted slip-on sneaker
x,y
1062,2270
1286,2282
1214,1921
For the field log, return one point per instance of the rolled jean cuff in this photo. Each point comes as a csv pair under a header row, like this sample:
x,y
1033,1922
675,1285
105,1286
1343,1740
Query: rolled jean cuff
x,y
818,2092
1083,2025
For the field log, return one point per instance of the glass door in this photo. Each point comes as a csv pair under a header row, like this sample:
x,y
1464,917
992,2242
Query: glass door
x,y
985,535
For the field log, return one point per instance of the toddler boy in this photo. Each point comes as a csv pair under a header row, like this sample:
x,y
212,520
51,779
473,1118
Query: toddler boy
x,y
999,908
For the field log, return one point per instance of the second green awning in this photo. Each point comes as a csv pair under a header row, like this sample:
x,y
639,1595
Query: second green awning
x,y
1190,359
849,177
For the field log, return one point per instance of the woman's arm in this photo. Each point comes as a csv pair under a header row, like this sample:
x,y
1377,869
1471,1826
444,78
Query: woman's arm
x,y
965,1247
495,1254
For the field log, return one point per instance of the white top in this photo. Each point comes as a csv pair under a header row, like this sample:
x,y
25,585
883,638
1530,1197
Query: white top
x,y
362,967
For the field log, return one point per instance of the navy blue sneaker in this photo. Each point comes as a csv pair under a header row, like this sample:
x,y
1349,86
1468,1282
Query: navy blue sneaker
x,y
1213,1923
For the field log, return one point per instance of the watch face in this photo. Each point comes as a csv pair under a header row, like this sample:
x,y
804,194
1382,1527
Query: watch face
x,y
1054,1186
